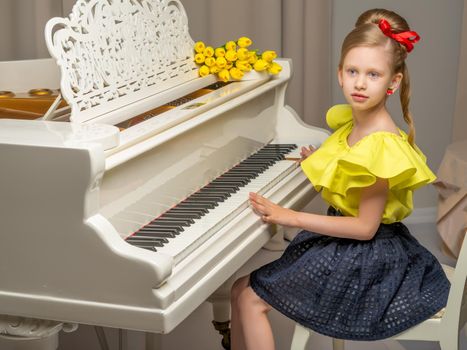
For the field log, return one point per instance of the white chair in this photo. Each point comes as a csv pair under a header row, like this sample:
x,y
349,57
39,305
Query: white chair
x,y
444,327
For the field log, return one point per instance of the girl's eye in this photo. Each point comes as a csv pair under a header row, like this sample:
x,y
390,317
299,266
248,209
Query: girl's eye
x,y
351,71
373,75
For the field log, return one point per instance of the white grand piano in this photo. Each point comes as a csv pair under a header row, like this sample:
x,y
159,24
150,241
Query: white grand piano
x,y
131,210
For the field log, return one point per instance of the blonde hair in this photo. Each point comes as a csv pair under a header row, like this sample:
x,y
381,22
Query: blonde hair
x,y
368,33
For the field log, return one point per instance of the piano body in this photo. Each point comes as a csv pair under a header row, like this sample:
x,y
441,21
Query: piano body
x,y
85,197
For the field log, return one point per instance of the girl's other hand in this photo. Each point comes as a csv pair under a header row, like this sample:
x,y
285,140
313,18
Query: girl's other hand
x,y
306,152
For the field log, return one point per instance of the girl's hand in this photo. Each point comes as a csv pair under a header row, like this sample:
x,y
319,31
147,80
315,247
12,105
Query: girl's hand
x,y
306,152
270,212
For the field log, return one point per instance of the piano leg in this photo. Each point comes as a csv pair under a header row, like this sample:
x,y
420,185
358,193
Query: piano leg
x,y
220,301
153,341
277,242
30,333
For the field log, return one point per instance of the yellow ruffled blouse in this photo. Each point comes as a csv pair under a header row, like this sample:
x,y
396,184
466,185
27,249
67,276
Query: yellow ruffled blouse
x,y
340,171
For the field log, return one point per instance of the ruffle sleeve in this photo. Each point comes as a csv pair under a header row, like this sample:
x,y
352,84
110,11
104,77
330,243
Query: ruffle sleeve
x,y
378,155
338,115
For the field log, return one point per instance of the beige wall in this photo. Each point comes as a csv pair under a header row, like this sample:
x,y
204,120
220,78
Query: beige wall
x,y
432,65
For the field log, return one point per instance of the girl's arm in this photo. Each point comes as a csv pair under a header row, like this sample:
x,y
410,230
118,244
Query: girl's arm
x,y
363,227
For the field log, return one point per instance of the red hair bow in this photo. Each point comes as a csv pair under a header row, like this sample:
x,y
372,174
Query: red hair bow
x,y
405,38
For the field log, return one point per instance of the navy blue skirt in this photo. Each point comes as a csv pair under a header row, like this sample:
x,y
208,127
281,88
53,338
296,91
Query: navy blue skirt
x,y
352,289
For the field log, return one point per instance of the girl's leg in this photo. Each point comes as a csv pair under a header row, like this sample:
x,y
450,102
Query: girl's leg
x,y
236,335
250,325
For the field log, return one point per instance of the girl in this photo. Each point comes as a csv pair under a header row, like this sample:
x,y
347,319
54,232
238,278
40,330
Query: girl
x,y
356,273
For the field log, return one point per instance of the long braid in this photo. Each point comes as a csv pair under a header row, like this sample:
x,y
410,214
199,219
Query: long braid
x,y
405,100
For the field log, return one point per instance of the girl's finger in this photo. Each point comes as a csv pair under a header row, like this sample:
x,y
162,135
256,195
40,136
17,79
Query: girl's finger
x,y
257,206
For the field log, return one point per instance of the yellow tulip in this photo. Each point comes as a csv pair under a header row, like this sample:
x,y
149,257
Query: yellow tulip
x,y
199,47
208,51
230,45
231,55
244,66
260,65
269,56
221,62
229,65
219,52
275,68
203,71
244,41
210,61
242,54
252,58
236,73
224,75
214,69
199,58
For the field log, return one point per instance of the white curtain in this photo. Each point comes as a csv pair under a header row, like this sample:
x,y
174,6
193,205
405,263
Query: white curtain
x,y
22,23
459,125
298,29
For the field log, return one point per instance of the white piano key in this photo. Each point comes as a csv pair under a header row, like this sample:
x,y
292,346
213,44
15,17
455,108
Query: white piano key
x,y
135,216
203,228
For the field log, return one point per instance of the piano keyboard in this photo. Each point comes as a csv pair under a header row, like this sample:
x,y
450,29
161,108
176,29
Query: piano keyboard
x,y
183,228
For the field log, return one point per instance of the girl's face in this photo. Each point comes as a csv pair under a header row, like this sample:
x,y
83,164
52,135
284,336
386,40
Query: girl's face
x,y
365,77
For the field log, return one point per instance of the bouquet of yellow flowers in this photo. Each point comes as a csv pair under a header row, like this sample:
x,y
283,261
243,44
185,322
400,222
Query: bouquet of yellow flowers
x,y
233,60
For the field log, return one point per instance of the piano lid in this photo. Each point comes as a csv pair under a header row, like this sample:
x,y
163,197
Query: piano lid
x,y
114,53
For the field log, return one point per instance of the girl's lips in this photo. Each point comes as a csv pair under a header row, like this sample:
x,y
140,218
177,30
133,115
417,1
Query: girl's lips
x,y
359,98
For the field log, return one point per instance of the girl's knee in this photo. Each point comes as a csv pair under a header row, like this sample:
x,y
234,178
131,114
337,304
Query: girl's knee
x,y
237,288
249,300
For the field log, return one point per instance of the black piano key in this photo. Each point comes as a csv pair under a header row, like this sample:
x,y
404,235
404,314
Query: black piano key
x,y
192,204
151,233
154,241
182,222
266,156
217,190
212,204
152,249
151,236
259,162
181,215
280,146
215,196
249,168
198,211
150,246
223,186
246,172
164,223
214,201
202,207
232,180
173,230
185,220
240,172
